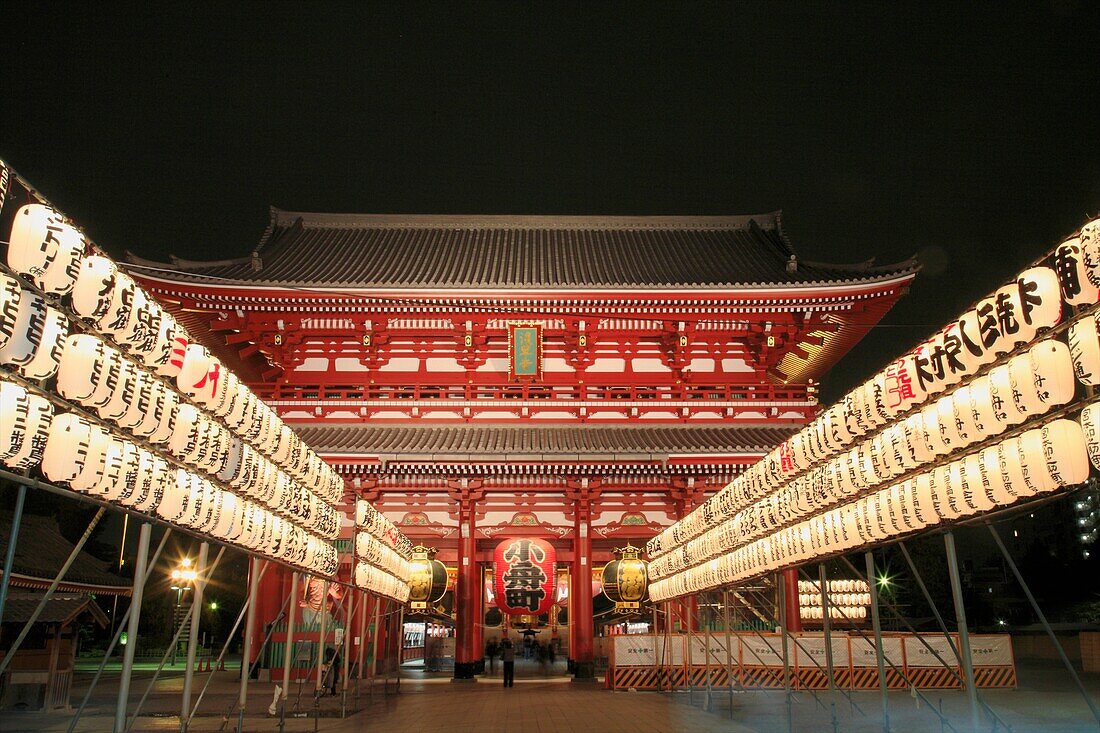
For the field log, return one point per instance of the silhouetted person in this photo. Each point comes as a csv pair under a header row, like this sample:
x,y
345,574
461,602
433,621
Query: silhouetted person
x,y
508,656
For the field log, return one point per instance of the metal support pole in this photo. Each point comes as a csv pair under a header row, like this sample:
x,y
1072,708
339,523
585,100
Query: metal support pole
x,y
876,624
321,641
50,591
134,625
1043,619
288,651
726,618
374,643
362,646
13,537
964,634
347,653
656,659
193,633
781,602
250,622
115,639
826,626
400,646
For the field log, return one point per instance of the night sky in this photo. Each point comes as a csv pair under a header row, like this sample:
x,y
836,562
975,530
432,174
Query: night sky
x,y
968,135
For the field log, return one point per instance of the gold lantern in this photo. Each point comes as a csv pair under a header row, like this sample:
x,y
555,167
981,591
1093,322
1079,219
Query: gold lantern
x,y
427,578
625,578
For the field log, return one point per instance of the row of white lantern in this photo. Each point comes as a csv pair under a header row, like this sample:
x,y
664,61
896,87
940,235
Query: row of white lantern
x,y
97,376
90,460
370,520
1011,316
370,578
817,613
30,331
1031,383
835,599
49,251
94,461
1038,461
834,586
372,550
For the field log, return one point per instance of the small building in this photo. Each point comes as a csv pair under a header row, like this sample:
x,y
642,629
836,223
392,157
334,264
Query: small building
x,y
40,675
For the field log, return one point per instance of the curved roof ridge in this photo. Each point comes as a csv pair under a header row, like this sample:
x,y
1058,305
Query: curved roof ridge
x,y
283,218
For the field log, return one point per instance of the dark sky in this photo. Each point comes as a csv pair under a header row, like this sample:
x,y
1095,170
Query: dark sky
x,y
969,134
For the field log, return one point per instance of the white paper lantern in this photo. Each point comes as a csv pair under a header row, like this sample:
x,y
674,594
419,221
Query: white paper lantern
x,y
48,351
10,293
1040,301
1024,396
91,473
1078,279
123,393
1090,424
1089,237
24,426
45,247
977,484
108,373
1010,463
1005,409
1084,347
1033,464
94,287
1066,457
66,447
26,330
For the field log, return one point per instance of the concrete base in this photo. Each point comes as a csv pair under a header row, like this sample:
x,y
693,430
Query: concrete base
x,y
465,672
584,671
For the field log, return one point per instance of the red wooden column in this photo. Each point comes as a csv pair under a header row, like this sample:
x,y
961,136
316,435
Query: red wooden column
x,y
479,618
790,598
467,654
581,620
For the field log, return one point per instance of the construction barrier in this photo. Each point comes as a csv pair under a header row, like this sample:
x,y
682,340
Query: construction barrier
x,y
755,660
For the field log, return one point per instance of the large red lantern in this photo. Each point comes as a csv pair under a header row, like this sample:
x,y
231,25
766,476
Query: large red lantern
x,y
523,576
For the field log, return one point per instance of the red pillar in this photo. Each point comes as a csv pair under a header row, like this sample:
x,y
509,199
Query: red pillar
x,y
272,591
466,652
479,619
790,598
583,658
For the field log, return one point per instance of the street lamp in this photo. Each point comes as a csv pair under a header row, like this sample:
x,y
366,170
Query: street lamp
x,y
182,579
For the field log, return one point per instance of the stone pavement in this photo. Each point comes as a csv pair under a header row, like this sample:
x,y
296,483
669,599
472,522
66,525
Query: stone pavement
x,y
548,701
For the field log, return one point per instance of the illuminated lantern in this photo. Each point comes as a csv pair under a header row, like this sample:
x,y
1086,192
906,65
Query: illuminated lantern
x,y
10,293
45,247
1033,463
66,447
962,412
902,387
164,422
1090,251
1040,301
427,578
971,351
523,573
108,374
123,393
91,473
92,293
625,578
1002,399
945,417
1077,278
1024,396
1065,451
1084,347
932,432
981,408
48,353
1090,424
24,426
977,484
1009,311
82,358
25,329
1010,464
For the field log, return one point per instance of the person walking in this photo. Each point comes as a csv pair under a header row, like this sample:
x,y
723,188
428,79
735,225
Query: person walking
x,y
508,657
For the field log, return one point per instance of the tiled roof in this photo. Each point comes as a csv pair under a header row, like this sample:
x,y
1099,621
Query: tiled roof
x,y
507,442
59,609
417,251
41,550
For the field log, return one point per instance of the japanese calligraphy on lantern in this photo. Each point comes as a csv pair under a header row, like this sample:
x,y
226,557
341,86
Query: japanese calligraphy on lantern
x,y
523,576
524,351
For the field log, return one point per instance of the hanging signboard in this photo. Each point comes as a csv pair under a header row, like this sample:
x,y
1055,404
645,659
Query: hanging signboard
x,y
524,351
523,573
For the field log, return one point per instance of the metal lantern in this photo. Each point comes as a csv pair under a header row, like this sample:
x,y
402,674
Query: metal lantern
x,y
427,578
625,578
